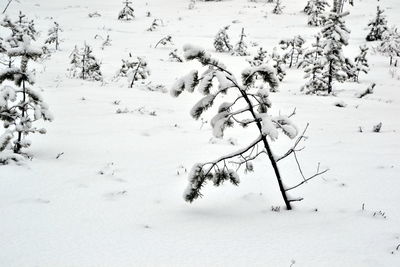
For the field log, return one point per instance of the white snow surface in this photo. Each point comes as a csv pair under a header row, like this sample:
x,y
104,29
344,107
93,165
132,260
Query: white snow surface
x,y
114,197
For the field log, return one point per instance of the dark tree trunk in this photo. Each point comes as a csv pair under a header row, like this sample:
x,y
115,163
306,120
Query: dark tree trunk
x,y
269,151
17,147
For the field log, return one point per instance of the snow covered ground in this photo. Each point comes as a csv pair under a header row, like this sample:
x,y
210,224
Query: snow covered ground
x,y
114,197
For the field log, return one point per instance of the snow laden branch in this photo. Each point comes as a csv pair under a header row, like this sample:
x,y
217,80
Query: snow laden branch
x,y
250,106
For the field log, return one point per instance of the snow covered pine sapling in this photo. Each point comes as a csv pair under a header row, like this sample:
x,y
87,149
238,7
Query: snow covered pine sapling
x,y
278,64
390,45
21,107
127,13
133,69
361,63
378,26
164,41
293,49
278,9
335,35
54,35
241,46
84,64
313,64
249,101
222,41
316,12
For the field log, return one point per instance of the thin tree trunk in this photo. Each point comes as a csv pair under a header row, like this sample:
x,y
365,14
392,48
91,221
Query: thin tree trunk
x,y
83,67
330,78
291,56
269,151
134,75
17,147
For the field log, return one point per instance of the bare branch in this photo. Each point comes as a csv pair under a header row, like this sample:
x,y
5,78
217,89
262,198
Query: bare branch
x,y
306,180
296,143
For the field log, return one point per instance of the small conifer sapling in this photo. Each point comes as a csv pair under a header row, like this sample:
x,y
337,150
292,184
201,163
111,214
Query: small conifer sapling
x,y
20,108
127,12
278,9
222,41
361,62
378,26
251,107
54,35
241,47
293,49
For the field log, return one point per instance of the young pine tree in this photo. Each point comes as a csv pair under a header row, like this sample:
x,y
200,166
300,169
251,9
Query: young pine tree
x,y
84,64
14,39
278,64
164,41
250,107
259,59
361,62
293,49
222,41
378,26
278,9
241,47
107,42
134,69
127,13
20,107
313,64
390,45
309,6
27,26
174,57
316,14
336,35
54,35
154,25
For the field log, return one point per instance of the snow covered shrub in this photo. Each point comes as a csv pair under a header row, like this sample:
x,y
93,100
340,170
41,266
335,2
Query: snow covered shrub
x,y
90,66
307,9
278,9
293,49
313,64
20,107
316,12
250,106
107,42
127,13
361,62
368,91
27,26
336,35
17,30
259,59
134,69
54,35
390,44
154,25
278,64
222,41
164,41
174,57
377,128
241,47
377,26
84,64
